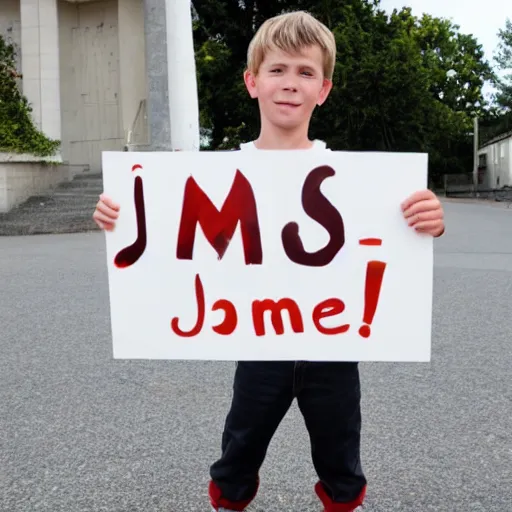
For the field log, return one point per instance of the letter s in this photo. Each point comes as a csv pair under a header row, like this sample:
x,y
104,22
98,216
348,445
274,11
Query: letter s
x,y
318,207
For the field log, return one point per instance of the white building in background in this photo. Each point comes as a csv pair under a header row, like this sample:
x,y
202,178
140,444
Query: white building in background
x,y
495,162
95,71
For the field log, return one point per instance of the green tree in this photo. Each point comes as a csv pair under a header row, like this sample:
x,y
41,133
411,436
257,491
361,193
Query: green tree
x,y
504,62
456,72
17,131
401,83
455,64
498,117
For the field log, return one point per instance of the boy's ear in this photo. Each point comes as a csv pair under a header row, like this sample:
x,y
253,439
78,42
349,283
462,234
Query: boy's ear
x,y
324,91
250,83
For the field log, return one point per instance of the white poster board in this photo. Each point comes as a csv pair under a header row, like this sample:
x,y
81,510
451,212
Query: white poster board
x,y
209,265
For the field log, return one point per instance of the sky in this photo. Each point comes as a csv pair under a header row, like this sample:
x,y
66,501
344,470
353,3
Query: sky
x,y
482,18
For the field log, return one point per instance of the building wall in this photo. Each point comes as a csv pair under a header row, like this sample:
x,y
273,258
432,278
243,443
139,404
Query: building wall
x,y
31,26
510,158
498,164
501,164
10,25
103,73
40,60
505,162
90,81
489,180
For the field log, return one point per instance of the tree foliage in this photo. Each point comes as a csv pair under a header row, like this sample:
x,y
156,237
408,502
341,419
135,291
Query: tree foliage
x,y
504,62
401,83
498,118
17,131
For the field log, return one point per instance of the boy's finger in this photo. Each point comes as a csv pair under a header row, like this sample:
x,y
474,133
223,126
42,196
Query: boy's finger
x,y
106,210
428,226
102,217
424,215
423,206
417,196
106,226
109,202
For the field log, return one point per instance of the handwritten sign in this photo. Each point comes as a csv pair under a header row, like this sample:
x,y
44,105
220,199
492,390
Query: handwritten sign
x,y
267,255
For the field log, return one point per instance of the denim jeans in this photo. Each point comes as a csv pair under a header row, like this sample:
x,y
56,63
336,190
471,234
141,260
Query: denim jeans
x,y
328,395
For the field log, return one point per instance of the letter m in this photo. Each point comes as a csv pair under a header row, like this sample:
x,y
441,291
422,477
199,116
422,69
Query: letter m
x,y
276,315
219,226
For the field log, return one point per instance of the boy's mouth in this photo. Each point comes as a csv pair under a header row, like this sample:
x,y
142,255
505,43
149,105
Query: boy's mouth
x,y
287,104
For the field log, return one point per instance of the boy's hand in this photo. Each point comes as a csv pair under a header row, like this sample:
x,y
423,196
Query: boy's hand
x,y
106,213
424,213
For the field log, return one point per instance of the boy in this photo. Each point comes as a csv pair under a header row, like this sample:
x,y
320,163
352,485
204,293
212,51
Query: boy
x,y
290,66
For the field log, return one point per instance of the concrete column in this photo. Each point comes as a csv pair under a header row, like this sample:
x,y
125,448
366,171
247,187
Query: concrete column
x,y
132,66
156,68
40,63
181,69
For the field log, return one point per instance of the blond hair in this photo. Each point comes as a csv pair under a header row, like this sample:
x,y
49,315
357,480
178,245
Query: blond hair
x,y
291,32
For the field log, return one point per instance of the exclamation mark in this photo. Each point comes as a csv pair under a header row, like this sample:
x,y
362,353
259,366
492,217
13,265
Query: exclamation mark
x,y
374,276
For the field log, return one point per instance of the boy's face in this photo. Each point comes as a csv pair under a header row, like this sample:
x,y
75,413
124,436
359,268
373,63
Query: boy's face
x,y
289,87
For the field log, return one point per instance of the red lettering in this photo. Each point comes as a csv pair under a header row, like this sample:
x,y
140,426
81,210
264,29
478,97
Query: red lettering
x,y
200,313
276,309
374,275
219,227
318,207
325,309
370,241
129,255
228,325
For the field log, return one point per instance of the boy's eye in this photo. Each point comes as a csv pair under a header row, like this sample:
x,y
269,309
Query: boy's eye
x,y
278,70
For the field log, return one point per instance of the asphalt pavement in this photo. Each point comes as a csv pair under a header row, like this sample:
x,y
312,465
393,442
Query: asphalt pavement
x,y
81,432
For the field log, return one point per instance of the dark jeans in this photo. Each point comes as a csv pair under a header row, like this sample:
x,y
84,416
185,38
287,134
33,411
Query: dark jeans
x,y
328,395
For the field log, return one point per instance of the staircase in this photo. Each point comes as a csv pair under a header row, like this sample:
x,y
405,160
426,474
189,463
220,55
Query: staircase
x,y
66,209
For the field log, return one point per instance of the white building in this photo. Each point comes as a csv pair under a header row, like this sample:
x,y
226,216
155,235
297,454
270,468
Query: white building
x,y
95,72
495,162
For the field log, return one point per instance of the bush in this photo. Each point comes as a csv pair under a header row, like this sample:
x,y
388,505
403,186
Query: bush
x,y
18,134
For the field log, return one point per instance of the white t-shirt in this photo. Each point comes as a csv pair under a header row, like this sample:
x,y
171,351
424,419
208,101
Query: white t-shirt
x,y
317,144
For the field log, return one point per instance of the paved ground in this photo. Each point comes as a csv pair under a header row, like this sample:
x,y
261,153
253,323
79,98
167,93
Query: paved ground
x,y
81,432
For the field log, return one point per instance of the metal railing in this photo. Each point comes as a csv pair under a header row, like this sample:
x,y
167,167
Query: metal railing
x,y
138,134
462,186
